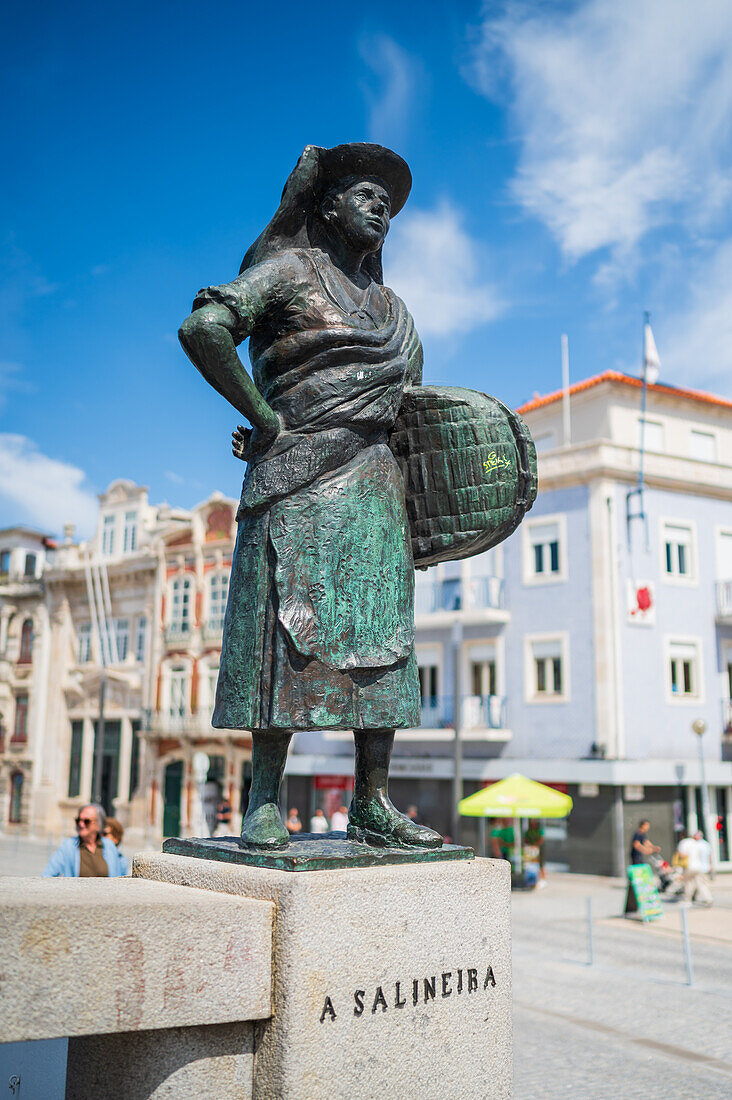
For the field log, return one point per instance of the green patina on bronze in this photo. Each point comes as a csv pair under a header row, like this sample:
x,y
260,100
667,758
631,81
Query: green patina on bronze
x,y
319,628
308,852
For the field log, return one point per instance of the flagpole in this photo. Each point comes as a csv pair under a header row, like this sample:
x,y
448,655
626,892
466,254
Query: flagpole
x,y
646,321
565,391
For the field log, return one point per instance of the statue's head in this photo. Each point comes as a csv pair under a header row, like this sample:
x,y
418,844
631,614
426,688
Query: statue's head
x,y
351,190
358,209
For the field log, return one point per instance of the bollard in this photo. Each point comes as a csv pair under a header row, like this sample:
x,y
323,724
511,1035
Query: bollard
x,y
687,948
590,944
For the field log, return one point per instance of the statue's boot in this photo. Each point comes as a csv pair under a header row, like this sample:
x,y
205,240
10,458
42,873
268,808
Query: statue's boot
x,y
376,821
372,818
262,826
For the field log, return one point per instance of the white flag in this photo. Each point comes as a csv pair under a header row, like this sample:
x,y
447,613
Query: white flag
x,y
651,361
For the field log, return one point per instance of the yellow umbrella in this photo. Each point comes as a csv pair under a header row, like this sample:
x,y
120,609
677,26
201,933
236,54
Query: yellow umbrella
x,y
516,797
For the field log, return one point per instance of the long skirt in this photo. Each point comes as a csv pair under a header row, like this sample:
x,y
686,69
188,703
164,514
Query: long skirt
x,y
319,627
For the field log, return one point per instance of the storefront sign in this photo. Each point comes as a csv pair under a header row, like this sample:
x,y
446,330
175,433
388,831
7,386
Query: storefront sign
x,y
589,790
634,792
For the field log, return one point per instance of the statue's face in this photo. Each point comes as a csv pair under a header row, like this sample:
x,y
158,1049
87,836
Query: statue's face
x,y
361,213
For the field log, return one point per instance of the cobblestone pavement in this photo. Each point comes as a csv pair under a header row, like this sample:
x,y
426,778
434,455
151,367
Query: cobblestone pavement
x,y
628,1026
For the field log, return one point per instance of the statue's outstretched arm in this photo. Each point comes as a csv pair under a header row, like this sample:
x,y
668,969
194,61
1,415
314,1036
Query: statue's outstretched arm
x,y
208,341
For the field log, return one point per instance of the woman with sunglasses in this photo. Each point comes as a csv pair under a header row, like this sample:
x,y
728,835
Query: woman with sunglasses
x,y
90,854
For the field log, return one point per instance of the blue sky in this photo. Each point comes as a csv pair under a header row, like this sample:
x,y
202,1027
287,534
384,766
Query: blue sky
x,y
571,163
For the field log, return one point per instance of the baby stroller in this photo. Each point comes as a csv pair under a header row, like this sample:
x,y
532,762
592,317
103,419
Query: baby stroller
x,y
670,879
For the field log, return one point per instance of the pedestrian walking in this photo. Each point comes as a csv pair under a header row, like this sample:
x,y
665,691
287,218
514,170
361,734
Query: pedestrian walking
x,y
89,854
318,822
534,850
223,816
695,853
339,820
114,830
641,847
293,823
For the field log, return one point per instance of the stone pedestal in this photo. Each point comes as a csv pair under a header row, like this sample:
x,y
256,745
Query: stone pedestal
x,y
389,981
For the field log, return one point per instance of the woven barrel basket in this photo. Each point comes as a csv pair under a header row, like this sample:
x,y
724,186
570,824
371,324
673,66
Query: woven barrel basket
x,y
469,467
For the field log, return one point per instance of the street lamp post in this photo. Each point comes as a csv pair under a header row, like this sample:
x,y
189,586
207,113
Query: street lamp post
x,y
699,727
457,782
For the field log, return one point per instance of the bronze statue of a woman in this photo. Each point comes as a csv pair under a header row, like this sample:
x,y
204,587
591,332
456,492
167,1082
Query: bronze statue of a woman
x,y
319,629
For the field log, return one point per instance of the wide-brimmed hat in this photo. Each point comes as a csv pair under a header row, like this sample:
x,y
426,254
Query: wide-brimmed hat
x,y
316,170
359,158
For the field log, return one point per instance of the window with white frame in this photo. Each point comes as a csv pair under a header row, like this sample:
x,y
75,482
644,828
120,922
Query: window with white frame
x,y
129,543
724,555
178,691
140,638
545,550
652,436
683,670
180,605
122,636
218,587
211,680
547,669
108,525
428,683
703,445
678,550
83,643
483,681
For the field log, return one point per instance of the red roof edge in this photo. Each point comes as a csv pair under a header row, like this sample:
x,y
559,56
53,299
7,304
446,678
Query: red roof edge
x,y
626,380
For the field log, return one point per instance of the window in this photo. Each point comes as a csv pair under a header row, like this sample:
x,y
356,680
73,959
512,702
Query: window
x,y
83,643
20,726
218,586
4,561
547,669
140,639
212,679
16,798
30,565
26,643
122,634
108,536
180,605
703,446
130,532
483,677
544,544
652,437
683,670
678,551
428,684
77,744
178,704
134,759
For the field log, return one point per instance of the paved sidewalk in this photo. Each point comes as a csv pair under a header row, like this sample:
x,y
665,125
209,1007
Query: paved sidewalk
x,y
629,1025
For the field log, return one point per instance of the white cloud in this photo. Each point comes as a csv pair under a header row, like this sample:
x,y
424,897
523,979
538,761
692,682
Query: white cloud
x,y
697,348
434,265
623,111
44,491
397,74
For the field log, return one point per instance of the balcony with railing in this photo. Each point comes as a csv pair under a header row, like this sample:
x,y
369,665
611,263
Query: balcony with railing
x,y
477,712
724,600
476,594
178,633
164,722
213,629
